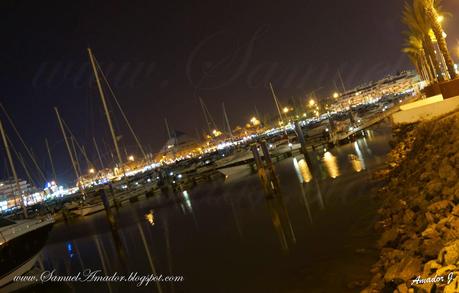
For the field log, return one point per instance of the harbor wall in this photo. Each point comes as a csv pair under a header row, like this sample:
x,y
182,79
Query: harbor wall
x,y
426,110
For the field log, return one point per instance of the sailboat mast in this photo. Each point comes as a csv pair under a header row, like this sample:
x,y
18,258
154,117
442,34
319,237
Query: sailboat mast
x,y
75,155
167,128
257,113
68,145
51,160
88,162
205,114
227,121
98,153
13,169
341,80
104,103
277,103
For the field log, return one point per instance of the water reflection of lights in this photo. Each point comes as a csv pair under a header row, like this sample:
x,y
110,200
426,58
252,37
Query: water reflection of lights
x,y
370,133
186,196
331,164
302,170
358,162
150,217
70,250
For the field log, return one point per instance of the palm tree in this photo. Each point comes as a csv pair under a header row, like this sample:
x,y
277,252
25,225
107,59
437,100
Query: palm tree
x,y
415,19
415,51
431,8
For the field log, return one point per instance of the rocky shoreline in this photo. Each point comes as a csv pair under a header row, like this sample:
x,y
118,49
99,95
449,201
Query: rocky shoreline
x,y
419,214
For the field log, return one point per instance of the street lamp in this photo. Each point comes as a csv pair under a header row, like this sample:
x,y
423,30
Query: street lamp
x,y
335,95
131,158
91,171
285,110
312,102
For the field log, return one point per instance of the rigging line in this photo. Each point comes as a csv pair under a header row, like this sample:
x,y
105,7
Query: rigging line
x,y
23,142
206,119
21,160
210,116
76,142
121,109
77,162
51,159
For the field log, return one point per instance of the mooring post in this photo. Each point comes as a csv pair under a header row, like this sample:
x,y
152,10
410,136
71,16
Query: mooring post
x,y
332,131
256,156
266,155
272,177
108,211
112,193
300,135
260,167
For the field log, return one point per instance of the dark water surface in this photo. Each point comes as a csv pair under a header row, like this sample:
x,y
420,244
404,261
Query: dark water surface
x,y
226,236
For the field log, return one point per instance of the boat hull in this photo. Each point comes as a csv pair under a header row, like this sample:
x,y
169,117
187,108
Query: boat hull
x,y
19,254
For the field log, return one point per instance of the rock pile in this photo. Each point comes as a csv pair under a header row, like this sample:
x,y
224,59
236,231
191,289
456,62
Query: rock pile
x,y
419,214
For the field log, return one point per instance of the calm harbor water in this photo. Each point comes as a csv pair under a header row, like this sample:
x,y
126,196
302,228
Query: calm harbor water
x,y
227,236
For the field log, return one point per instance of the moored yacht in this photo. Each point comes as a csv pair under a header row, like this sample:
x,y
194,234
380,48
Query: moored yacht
x,y
20,244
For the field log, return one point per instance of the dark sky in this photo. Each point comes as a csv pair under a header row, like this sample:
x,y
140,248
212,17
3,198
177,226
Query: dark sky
x,y
161,55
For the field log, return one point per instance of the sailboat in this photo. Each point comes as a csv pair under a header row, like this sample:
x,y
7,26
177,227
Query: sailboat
x,y
92,205
20,241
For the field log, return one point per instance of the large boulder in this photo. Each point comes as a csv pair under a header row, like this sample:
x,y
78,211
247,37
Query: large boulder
x,y
431,232
389,237
407,269
449,255
440,206
447,173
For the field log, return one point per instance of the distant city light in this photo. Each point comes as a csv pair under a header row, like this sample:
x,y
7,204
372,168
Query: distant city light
x,y
216,132
255,121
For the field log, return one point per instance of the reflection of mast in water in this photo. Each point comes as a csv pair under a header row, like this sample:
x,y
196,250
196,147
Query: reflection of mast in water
x,y
186,205
275,217
274,200
315,176
279,213
168,249
102,260
235,217
119,247
77,251
280,217
150,258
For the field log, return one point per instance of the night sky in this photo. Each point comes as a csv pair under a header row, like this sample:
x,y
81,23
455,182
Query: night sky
x,y
160,56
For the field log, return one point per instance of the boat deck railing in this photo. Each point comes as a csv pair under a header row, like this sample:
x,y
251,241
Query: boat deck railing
x,y
23,227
